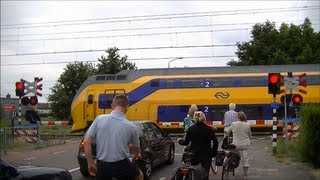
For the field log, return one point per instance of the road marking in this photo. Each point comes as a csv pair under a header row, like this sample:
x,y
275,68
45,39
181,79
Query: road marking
x,y
163,178
178,154
75,169
59,152
28,159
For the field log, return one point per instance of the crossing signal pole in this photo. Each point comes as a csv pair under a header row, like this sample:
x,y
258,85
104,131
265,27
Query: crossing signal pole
x,y
23,88
20,87
292,83
274,89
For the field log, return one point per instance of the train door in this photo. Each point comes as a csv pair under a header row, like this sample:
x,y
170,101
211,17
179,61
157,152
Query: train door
x,y
90,106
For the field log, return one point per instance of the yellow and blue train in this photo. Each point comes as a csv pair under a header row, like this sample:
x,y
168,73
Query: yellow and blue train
x,y
164,95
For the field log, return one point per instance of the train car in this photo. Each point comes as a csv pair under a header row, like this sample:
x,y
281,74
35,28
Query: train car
x,y
164,95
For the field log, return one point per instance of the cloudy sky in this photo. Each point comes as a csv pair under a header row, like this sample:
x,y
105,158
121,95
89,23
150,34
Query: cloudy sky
x,y
38,38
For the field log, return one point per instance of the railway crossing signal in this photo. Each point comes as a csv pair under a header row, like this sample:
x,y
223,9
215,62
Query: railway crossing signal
x,y
37,86
25,101
293,83
23,88
20,89
33,100
274,83
296,99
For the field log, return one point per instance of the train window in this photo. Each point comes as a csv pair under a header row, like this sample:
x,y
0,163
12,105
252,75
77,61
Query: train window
x,y
252,112
222,82
313,79
170,83
155,83
105,101
217,113
252,81
189,83
90,99
110,77
99,78
121,77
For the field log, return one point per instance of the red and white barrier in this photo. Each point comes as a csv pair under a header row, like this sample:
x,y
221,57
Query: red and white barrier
x,y
55,123
29,135
251,122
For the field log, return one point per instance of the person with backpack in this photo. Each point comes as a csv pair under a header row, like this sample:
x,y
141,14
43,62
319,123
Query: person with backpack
x,y
241,139
189,121
200,136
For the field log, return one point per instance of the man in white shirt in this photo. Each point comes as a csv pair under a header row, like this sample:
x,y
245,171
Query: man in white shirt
x,y
230,117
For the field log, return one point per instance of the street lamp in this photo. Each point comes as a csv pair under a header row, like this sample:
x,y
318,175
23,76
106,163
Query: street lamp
x,y
173,60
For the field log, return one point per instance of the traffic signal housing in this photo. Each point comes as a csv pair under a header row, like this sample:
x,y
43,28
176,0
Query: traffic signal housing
x,y
25,101
33,100
297,99
20,89
274,83
286,99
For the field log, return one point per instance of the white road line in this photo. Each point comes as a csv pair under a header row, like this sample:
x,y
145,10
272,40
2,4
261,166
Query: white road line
x,y
75,169
163,178
178,154
28,159
59,152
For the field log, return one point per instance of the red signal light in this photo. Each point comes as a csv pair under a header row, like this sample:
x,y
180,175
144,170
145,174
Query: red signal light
x,y
20,89
274,78
33,100
297,99
274,83
19,85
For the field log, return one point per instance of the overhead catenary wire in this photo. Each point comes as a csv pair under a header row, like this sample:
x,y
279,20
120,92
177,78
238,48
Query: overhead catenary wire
x,y
130,59
148,28
125,35
157,17
124,49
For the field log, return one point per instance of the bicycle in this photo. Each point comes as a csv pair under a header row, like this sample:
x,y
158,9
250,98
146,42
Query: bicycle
x,y
188,171
231,157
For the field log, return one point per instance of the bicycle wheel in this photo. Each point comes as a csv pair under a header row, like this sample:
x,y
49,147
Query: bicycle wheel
x,y
214,167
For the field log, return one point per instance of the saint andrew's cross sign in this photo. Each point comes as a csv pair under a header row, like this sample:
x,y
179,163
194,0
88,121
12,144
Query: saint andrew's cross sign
x,y
293,83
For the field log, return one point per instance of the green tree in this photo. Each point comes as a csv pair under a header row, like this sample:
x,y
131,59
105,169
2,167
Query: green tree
x,y
291,44
66,87
113,63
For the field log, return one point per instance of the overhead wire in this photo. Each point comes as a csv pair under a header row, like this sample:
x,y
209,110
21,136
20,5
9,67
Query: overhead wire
x,y
132,59
143,28
155,17
124,49
124,35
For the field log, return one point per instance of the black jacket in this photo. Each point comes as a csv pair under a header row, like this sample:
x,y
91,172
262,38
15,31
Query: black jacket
x,y
200,135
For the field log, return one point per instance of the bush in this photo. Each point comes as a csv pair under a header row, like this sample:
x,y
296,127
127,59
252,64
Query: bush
x,y
309,144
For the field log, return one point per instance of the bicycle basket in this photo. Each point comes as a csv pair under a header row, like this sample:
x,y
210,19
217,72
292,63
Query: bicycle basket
x,y
219,158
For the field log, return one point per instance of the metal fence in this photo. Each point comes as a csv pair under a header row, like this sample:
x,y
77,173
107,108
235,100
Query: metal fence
x,y
31,136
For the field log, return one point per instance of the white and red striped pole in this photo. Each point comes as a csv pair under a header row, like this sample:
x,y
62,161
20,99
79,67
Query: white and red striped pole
x,y
274,126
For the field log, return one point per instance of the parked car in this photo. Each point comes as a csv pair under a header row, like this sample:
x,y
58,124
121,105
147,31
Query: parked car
x,y
8,171
156,148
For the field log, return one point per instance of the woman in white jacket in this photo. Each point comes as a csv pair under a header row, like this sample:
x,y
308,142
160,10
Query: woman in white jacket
x,y
241,139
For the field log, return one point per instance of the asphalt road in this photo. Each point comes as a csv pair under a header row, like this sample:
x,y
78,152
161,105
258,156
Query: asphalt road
x,y
264,166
